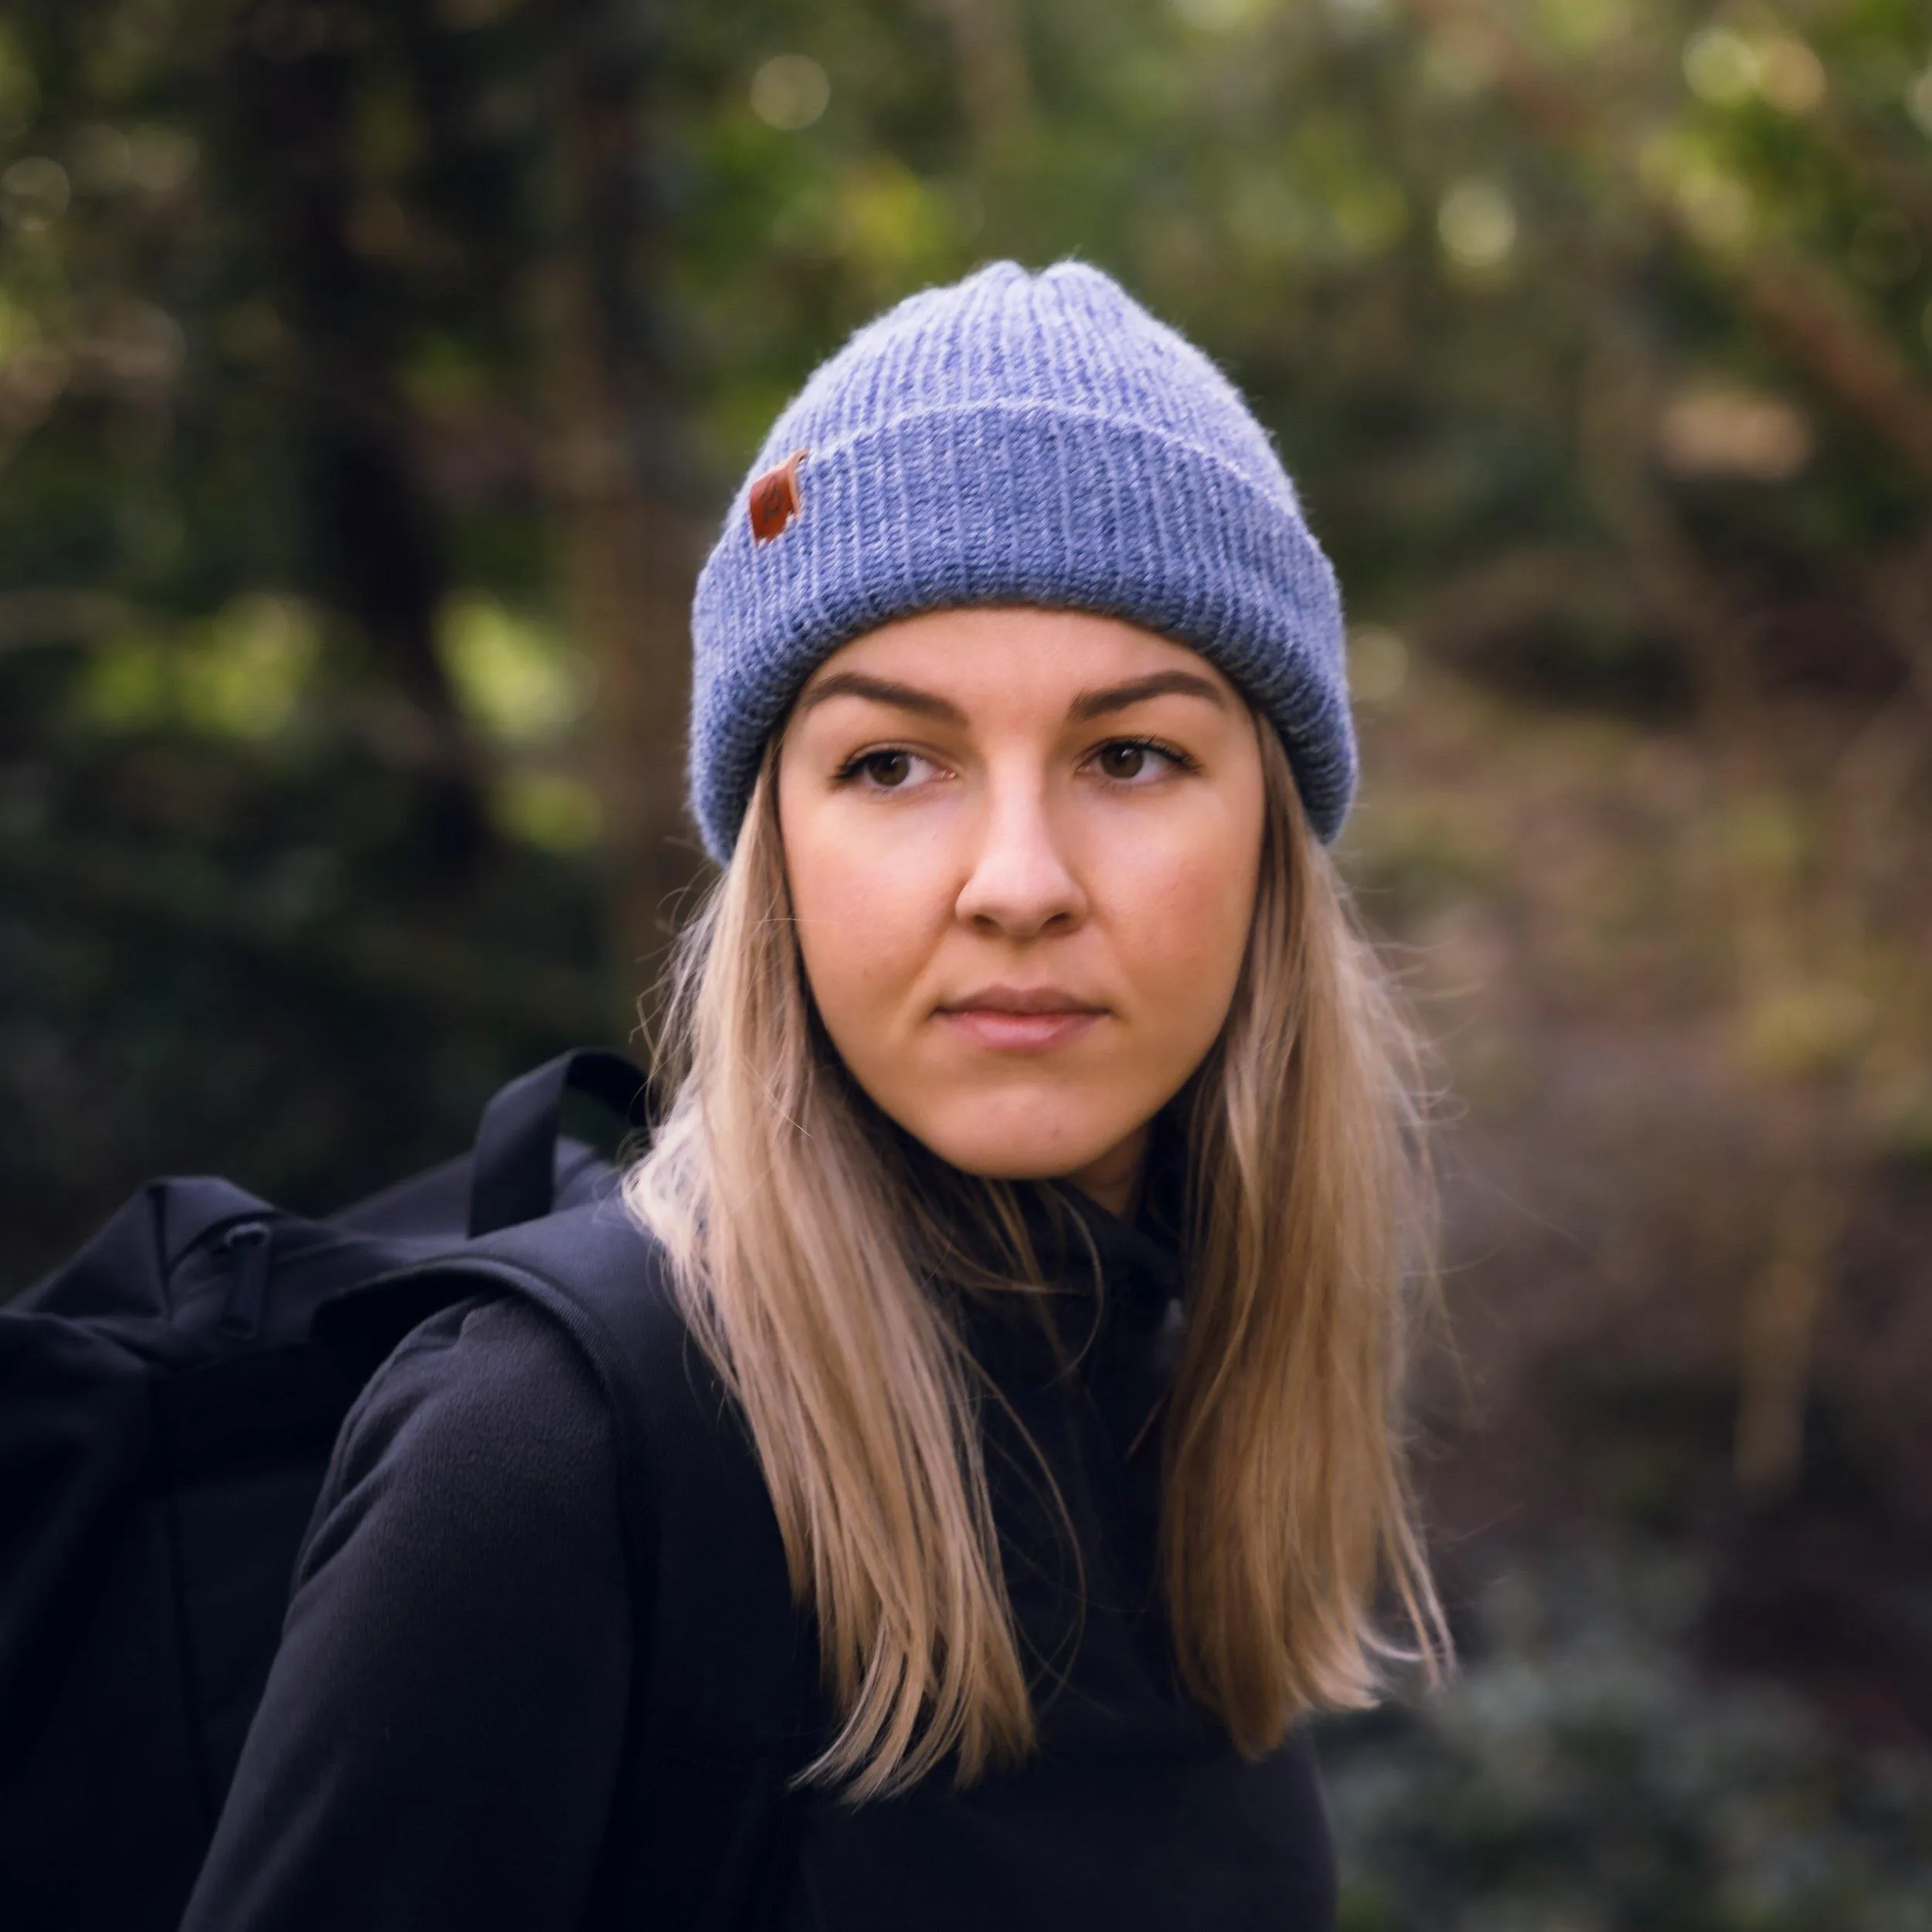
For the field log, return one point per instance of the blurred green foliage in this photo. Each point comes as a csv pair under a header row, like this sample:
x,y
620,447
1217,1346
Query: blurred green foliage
x,y
1580,1776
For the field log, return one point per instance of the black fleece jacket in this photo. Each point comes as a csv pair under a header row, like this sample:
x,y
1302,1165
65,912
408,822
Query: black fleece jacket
x,y
444,1723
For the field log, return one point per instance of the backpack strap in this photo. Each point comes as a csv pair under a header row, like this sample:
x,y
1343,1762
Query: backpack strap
x,y
513,1166
724,1706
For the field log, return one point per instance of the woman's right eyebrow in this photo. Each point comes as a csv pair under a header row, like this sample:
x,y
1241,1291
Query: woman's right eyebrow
x,y
929,704
904,697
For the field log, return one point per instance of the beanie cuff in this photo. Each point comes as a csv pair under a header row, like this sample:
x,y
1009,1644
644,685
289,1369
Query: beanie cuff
x,y
1026,502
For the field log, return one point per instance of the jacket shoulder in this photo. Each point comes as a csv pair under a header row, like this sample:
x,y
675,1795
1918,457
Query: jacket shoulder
x,y
481,1448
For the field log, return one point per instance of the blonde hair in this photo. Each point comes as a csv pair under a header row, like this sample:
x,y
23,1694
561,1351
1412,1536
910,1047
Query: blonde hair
x,y
804,1248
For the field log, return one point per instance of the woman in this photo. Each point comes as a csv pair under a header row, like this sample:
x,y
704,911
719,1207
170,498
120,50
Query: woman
x,y
1034,1181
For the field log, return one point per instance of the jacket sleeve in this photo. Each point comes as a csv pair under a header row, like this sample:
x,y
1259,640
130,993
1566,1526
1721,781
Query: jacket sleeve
x,y
440,1736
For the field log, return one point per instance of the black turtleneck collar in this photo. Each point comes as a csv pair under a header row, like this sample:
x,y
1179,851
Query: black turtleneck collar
x,y
1133,1256
1140,1257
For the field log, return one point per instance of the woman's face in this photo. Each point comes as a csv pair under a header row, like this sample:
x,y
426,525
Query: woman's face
x,y
1023,847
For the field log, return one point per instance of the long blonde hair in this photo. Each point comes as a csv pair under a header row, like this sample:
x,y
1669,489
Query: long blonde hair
x,y
804,1252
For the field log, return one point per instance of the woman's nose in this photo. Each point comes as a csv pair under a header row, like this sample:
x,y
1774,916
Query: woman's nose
x,y
1020,883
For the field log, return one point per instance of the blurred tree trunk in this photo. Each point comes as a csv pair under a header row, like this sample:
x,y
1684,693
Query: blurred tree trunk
x,y
618,472
374,549
990,71
1782,1309
1809,1151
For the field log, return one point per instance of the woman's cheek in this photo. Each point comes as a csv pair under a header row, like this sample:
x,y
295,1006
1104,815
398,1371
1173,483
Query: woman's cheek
x,y
1183,908
864,941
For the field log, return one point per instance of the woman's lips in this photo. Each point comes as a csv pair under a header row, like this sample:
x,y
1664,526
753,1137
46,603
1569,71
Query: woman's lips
x,y
1005,1031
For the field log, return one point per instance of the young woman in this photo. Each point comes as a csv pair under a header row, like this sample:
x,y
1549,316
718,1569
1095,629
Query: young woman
x,y
1038,1181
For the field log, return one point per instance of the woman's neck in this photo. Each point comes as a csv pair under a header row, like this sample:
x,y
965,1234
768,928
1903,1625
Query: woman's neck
x,y
1114,1179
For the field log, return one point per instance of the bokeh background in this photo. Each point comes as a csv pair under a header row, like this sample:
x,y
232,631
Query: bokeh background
x,y
373,376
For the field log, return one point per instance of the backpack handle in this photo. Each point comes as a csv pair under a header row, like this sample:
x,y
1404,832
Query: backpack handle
x,y
513,1177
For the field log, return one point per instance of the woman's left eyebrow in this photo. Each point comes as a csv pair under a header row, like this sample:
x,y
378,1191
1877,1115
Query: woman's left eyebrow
x,y
1117,697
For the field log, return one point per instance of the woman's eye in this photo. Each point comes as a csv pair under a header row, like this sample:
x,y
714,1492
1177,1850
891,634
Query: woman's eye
x,y
884,770
1126,760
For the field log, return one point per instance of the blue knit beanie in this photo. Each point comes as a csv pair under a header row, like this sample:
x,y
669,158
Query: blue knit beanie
x,y
1016,439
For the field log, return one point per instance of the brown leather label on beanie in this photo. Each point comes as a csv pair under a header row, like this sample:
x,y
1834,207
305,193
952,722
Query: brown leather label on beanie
x,y
775,500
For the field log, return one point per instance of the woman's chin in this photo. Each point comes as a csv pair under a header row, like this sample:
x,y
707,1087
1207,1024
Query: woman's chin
x,y
1023,1149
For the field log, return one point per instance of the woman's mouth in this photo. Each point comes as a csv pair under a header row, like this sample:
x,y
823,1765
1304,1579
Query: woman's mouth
x,y
1006,1020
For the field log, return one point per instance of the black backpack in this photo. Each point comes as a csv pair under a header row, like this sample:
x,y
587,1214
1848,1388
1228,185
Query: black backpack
x,y
168,1403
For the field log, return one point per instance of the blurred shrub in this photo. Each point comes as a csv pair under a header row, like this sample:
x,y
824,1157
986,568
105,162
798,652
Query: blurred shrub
x,y
1580,1776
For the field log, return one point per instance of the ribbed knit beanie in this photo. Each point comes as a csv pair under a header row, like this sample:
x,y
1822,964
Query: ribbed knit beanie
x,y
1015,438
